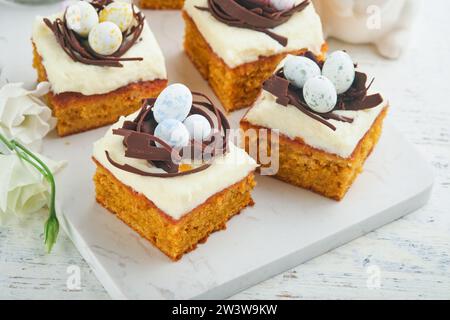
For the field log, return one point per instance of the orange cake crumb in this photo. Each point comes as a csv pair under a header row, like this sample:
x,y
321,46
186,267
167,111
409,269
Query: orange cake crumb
x,y
173,237
237,87
76,112
313,169
161,4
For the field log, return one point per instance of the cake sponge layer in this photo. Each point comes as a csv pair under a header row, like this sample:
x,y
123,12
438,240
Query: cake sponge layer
x,y
76,112
173,237
236,87
313,169
161,4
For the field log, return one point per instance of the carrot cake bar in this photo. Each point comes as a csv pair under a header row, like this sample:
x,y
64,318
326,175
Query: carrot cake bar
x,y
171,172
237,44
326,121
161,4
101,59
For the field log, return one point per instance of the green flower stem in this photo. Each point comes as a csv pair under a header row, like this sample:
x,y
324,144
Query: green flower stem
x,y
51,229
6,142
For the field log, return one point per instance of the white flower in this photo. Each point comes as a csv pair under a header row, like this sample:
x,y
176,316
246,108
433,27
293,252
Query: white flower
x,y
23,116
23,190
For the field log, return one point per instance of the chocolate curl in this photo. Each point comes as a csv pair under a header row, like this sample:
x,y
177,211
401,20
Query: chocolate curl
x,y
131,169
78,51
140,142
256,15
354,99
279,87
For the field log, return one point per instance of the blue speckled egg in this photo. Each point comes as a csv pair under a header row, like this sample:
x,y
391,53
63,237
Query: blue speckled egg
x,y
320,94
198,127
339,68
173,132
298,70
282,5
174,102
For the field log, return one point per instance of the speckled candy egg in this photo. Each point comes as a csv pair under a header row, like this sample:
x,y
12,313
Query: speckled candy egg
x,y
198,127
298,70
119,13
320,94
339,68
174,102
173,132
81,17
105,38
282,5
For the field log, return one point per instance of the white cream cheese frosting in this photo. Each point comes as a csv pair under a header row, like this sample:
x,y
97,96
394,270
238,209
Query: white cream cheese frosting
x,y
293,123
237,46
66,75
179,195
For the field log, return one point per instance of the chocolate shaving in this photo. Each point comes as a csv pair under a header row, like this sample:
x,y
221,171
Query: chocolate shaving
x,y
78,49
140,141
258,15
354,99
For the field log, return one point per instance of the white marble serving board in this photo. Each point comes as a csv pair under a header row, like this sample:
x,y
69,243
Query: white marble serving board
x,y
286,227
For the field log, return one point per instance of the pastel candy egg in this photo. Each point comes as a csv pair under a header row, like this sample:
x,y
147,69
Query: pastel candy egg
x,y
298,70
105,38
282,5
339,68
320,94
119,13
173,132
198,127
81,17
174,102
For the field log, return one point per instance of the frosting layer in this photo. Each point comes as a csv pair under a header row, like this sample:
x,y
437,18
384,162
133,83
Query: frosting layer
x,y
237,46
179,195
293,123
66,75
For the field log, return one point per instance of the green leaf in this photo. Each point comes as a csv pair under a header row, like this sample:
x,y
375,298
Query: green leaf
x,y
51,231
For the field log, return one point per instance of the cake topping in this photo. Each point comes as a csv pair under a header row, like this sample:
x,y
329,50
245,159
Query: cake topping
x,y
340,69
110,39
299,69
282,5
105,38
198,127
173,132
319,96
81,17
119,13
172,145
258,15
174,102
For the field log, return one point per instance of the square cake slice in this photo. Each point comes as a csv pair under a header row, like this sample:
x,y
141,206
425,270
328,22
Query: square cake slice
x,y
236,58
322,152
87,93
161,4
175,207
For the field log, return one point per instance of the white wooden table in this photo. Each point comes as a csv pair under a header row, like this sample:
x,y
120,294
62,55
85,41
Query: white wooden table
x,y
412,255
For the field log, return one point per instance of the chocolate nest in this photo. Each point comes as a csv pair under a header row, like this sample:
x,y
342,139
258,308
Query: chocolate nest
x,y
356,98
258,15
140,141
79,50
